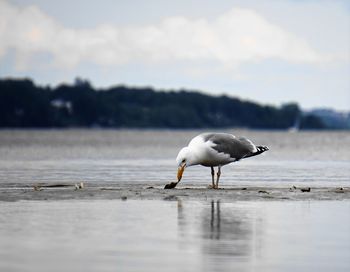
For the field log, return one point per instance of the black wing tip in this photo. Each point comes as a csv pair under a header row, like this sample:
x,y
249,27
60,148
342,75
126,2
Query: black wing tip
x,y
262,148
259,149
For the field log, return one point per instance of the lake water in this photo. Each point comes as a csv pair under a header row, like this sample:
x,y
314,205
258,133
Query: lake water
x,y
141,235
148,157
176,235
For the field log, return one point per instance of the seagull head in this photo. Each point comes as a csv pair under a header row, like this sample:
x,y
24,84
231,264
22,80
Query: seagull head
x,y
183,159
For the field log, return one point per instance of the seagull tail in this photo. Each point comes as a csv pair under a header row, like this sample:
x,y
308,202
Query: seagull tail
x,y
259,149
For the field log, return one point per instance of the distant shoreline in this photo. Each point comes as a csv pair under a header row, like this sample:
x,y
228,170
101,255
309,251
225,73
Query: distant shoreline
x,y
25,104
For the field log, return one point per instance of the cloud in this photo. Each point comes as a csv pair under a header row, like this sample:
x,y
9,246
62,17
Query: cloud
x,y
235,37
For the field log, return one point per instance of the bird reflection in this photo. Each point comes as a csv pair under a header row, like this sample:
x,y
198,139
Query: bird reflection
x,y
220,229
226,231
181,219
215,220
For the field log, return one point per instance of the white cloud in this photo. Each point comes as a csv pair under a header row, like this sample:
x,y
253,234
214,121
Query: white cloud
x,y
235,37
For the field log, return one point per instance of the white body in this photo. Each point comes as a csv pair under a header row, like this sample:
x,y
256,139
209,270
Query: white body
x,y
200,152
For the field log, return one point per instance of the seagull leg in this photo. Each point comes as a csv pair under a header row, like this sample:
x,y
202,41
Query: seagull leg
x,y
212,178
218,177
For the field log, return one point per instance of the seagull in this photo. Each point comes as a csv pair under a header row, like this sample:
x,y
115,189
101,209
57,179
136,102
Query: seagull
x,y
214,150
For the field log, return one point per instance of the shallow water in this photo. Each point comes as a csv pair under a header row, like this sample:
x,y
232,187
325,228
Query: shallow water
x,y
136,235
101,157
87,232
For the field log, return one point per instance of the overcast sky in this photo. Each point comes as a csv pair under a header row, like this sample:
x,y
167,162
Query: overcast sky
x,y
266,51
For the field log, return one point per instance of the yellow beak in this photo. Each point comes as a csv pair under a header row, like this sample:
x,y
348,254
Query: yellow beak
x,y
180,171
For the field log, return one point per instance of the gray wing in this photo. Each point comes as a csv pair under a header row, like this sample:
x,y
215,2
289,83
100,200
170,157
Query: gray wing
x,y
237,148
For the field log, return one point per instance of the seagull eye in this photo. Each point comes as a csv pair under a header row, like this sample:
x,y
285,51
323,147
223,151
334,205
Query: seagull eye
x,y
184,160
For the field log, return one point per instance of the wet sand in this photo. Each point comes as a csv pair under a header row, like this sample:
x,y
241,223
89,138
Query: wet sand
x,y
72,191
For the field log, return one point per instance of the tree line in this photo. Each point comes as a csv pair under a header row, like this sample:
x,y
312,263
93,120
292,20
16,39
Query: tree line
x,y
24,104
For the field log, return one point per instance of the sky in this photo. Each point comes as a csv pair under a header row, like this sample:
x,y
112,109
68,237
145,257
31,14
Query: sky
x,y
271,52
